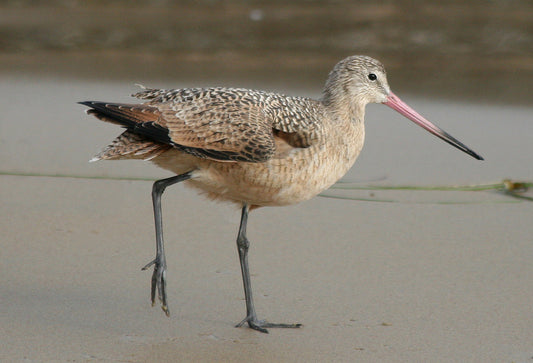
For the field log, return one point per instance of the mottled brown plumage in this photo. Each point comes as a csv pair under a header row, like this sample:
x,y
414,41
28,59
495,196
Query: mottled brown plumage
x,y
250,147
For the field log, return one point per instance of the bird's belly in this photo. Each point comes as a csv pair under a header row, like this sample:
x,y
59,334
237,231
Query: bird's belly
x,y
277,182
294,177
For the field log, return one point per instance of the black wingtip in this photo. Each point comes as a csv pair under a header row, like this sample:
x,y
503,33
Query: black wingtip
x,y
93,104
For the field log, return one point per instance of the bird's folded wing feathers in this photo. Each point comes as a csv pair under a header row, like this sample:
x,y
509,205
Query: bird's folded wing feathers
x,y
294,119
216,123
224,131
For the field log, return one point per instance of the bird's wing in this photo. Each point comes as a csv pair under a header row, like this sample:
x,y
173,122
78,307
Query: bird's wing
x,y
220,126
223,126
296,120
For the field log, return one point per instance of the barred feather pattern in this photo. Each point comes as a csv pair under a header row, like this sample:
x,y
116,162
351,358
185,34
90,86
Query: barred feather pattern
x,y
131,146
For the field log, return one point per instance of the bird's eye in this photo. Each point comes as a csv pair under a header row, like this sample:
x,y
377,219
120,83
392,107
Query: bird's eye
x,y
372,77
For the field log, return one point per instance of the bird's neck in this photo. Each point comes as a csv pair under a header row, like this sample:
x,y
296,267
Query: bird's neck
x,y
343,109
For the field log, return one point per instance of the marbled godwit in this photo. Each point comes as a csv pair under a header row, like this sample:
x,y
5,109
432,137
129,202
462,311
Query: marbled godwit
x,y
253,148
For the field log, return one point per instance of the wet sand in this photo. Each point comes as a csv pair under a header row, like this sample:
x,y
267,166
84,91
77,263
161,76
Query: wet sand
x,y
411,281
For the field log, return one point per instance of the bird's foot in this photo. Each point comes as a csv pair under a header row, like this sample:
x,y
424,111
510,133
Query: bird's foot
x,y
159,282
261,325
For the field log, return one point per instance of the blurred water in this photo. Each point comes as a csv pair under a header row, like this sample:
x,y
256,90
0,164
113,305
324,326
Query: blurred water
x,y
477,50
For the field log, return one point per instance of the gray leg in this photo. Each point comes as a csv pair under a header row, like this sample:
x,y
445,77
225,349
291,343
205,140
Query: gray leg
x,y
160,264
251,318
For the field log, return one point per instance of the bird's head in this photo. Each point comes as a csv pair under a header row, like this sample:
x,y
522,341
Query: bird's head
x,y
359,80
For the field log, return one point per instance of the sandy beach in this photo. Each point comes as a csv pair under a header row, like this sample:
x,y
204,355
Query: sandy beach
x,y
428,277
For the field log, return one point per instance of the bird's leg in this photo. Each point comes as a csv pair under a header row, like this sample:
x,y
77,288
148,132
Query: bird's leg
x,y
160,265
251,318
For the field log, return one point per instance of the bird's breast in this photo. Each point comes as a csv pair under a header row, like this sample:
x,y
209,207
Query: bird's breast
x,y
297,176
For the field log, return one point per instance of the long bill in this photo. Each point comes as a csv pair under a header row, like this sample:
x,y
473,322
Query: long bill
x,y
397,104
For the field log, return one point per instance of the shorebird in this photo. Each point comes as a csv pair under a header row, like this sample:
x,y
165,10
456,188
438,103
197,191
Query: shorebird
x,y
252,148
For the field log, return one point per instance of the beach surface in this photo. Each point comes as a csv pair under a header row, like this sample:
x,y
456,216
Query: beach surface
x,y
403,276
